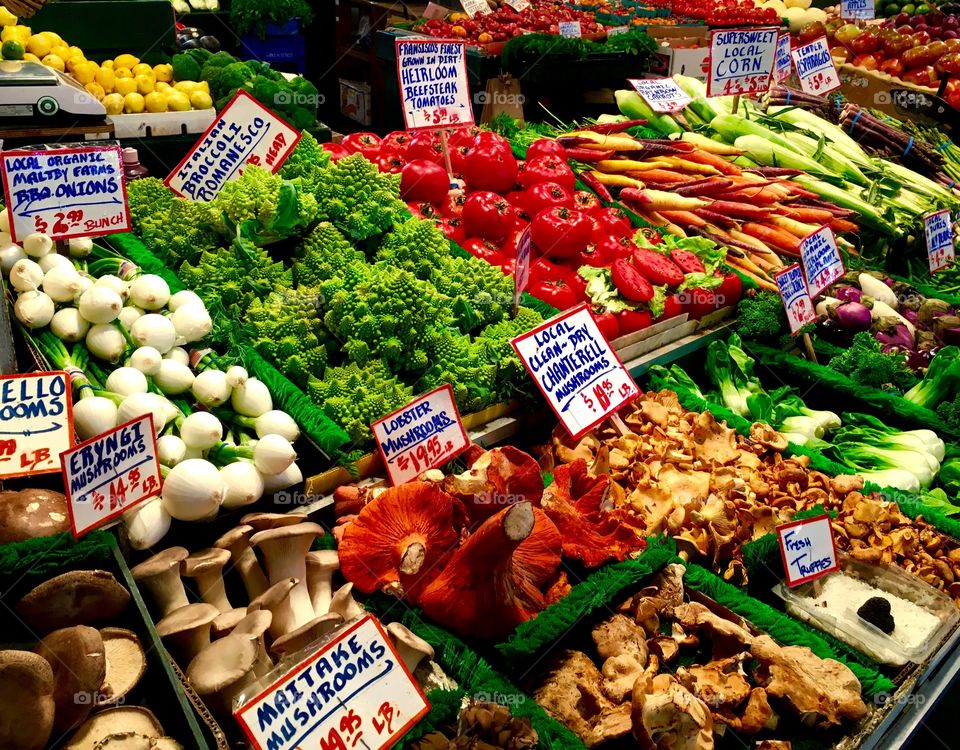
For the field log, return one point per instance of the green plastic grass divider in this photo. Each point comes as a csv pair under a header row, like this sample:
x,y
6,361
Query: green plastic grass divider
x,y
51,554
131,247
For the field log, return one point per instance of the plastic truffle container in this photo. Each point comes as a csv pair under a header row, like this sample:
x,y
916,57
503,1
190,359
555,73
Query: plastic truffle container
x,y
923,616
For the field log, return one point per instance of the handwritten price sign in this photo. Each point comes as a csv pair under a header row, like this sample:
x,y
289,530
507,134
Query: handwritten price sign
x,y
36,423
108,475
423,435
857,10
575,368
796,298
815,68
521,268
939,235
821,260
662,94
354,692
570,29
434,90
741,61
65,192
475,7
808,549
784,62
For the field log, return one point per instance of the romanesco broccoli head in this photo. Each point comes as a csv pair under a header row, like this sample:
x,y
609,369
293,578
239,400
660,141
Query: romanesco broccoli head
x,y
326,253
147,197
359,199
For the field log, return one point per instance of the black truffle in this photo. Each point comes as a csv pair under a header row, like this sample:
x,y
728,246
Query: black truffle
x,y
876,611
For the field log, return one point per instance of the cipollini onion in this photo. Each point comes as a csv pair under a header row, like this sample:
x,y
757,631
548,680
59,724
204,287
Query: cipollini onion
x,y
26,275
34,309
201,430
173,378
69,325
193,490
251,398
138,404
192,321
10,254
5,221
62,283
273,454
146,524
37,245
178,354
118,285
86,282
243,483
100,304
183,297
126,380
210,388
105,341
171,450
276,422
289,477
54,260
146,359
153,330
236,375
93,416
128,315
149,291
81,247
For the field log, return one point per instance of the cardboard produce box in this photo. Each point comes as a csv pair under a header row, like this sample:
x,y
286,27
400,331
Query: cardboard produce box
x,y
683,50
870,88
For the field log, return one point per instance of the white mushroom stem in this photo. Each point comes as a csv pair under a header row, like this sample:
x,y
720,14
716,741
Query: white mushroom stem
x,y
276,599
206,568
244,560
411,647
345,605
285,555
321,566
252,627
160,575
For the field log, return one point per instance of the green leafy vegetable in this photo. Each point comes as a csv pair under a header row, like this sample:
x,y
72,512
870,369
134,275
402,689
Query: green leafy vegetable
x,y
865,362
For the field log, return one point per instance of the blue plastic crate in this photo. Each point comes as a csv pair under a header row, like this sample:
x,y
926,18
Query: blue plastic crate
x,y
287,53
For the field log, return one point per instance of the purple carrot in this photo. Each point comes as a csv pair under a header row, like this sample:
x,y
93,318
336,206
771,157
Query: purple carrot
x,y
775,171
596,186
725,222
707,186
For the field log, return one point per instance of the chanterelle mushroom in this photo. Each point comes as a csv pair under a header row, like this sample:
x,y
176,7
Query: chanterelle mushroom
x,y
666,715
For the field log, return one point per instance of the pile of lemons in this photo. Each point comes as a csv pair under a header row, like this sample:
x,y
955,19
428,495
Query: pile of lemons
x,y
122,85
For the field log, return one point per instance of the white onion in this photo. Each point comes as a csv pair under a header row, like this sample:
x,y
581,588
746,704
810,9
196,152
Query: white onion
x,y
289,477
147,524
37,245
34,309
117,284
193,490
171,450
236,375
153,330
10,254
86,281
128,315
146,359
5,221
61,283
126,380
81,247
192,322
106,342
178,354
173,378
69,325
93,416
244,485
251,399
100,304
201,430
273,454
138,404
26,275
54,260
183,297
276,422
149,291
210,388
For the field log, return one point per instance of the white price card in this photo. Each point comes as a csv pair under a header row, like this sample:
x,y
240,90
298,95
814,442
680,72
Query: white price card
x,y
36,423
569,28
939,235
821,260
353,692
434,90
857,10
65,192
808,549
796,298
617,30
784,63
518,5
475,7
108,475
573,365
521,267
662,94
815,68
245,133
423,435
741,60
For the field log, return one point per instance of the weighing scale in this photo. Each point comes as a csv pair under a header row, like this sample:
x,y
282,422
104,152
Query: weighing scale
x,y
34,91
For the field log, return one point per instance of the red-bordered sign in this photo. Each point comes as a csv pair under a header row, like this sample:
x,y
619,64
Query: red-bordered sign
x,y
815,68
434,88
741,60
795,297
36,423
808,555
822,263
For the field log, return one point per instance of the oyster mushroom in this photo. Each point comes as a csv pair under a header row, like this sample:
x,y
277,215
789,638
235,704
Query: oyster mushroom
x,y
26,700
342,603
276,599
285,555
321,565
253,627
188,629
237,543
206,568
160,575
222,671
411,647
305,635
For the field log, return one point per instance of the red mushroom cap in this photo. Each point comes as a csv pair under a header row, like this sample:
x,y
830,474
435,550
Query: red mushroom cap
x,y
496,478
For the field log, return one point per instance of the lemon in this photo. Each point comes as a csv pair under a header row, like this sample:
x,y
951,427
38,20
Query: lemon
x,y
163,72
142,69
12,33
145,84
6,17
75,61
124,86
177,101
125,61
113,103
85,72
200,100
163,86
11,50
133,103
54,62
53,36
123,72
187,87
60,50
75,50
155,102
204,86
28,57
106,78
107,65
39,45
96,90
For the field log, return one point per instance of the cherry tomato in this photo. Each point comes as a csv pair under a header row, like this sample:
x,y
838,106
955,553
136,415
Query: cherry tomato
x,y
561,232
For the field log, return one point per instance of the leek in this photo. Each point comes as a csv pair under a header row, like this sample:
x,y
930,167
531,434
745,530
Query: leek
x,y
697,91
631,104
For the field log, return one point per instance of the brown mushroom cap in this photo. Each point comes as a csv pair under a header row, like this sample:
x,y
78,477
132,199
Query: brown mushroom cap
x,y
187,618
79,597
160,563
26,700
226,622
236,534
112,721
287,533
305,635
205,561
29,514
126,663
223,668
264,521
254,624
273,595
76,657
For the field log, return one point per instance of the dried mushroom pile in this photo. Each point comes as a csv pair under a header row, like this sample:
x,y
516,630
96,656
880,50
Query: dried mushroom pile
x,y
730,678
482,726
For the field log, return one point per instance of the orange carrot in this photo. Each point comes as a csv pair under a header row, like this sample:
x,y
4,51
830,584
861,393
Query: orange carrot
x,y
683,164
683,218
773,237
659,175
809,215
842,225
721,165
